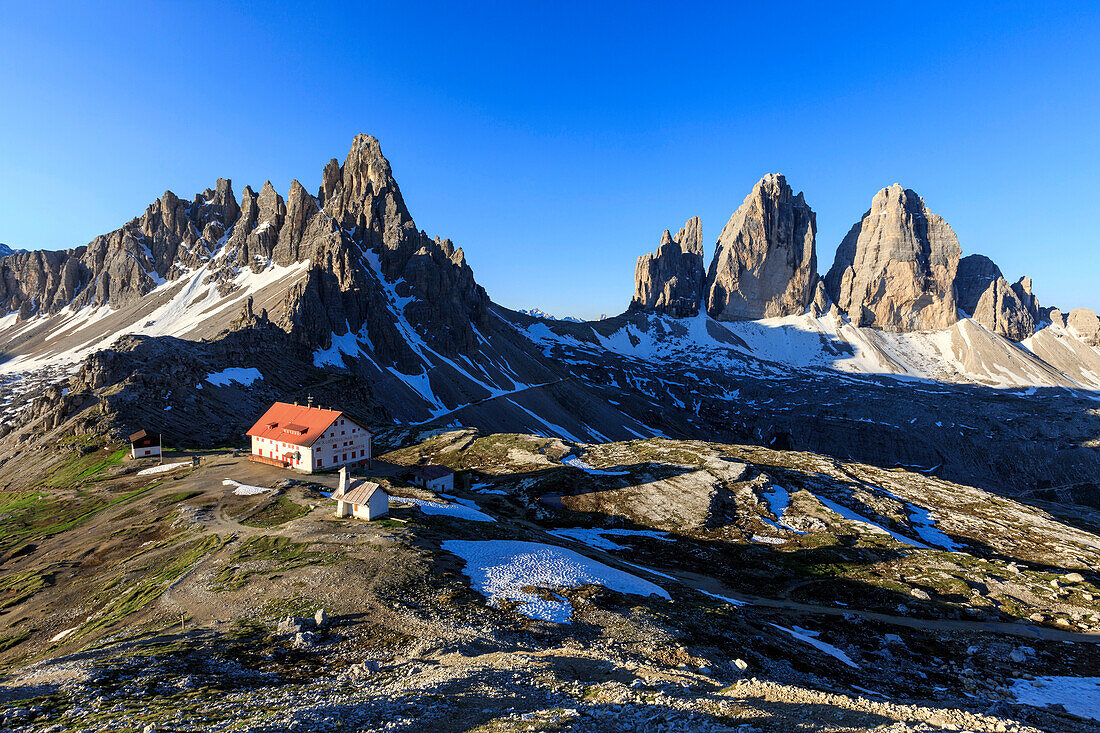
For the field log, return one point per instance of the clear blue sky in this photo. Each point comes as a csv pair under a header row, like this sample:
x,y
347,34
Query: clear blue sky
x,y
555,142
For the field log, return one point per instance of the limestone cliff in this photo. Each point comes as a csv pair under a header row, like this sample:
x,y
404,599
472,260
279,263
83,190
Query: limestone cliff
x,y
895,270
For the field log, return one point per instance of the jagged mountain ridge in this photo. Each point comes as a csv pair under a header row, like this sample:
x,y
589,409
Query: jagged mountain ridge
x,y
342,283
346,273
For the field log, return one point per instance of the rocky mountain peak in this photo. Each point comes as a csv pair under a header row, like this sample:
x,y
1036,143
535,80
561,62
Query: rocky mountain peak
x,y
895,269
671,280
1022,288
975,274
765,262
986,296
366,191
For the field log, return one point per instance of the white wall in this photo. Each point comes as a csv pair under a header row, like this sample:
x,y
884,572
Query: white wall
x,y
277,448
378,505
444,484
343,443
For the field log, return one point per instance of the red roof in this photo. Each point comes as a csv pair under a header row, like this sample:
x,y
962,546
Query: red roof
x,y
295,424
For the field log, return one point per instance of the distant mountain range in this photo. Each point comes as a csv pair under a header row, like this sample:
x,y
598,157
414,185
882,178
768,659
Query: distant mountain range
x,y
537,313
337,295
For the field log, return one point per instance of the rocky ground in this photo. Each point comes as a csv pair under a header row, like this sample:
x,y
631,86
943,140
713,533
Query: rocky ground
x,y
171,600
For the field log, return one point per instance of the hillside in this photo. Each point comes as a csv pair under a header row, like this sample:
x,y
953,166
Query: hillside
x,y
760,499
690,584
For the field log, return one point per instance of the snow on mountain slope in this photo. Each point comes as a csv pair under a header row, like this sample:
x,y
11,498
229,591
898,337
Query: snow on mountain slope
x,y
965,353
191,307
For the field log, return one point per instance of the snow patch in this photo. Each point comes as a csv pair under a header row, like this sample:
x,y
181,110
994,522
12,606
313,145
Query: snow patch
x,y
598,537
501,570
576,462
810,637
464,510
162,468
243,376
244,489
1079,695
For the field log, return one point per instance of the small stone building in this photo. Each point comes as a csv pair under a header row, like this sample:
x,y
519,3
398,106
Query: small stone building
x,y
439,479
360,499
144,444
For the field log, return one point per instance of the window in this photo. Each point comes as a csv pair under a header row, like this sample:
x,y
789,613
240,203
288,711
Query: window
x,y
341,432
320,462
345,457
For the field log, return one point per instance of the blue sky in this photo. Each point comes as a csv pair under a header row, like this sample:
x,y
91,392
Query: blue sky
x,y
555,142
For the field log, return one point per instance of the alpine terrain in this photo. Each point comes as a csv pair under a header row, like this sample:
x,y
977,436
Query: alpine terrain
x,y
761,498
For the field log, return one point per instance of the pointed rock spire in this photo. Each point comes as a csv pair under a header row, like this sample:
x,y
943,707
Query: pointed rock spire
x,y
671,280
765,263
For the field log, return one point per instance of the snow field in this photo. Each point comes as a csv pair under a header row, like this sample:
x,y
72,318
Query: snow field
x,y
502,569
239,375
162,468
244,489
465,510
1079,695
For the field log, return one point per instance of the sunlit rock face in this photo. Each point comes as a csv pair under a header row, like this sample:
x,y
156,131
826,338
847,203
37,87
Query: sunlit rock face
x,y
895,270
765,263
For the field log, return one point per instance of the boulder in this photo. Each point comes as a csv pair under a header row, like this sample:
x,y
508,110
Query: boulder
x,y
895,269
290,625
304,639
672,280
1086,324
765,262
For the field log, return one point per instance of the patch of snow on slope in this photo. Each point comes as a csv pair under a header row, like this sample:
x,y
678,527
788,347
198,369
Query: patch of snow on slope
x,y
810,637
244,489
850,515
724,599
556,431
1079,695
924,522
243,376
162,468
438,508
598,537
576,462
501,569
778,499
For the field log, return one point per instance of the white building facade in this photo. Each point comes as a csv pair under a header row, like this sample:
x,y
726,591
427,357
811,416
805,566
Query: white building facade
x,y
309,439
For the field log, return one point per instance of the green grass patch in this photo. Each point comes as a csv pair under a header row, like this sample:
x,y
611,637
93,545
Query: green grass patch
x,y
82,467
277,553
177,497
18,587
279,510
40,515
125,601
8,641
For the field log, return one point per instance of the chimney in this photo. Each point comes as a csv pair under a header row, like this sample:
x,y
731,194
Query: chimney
x,y
343,481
